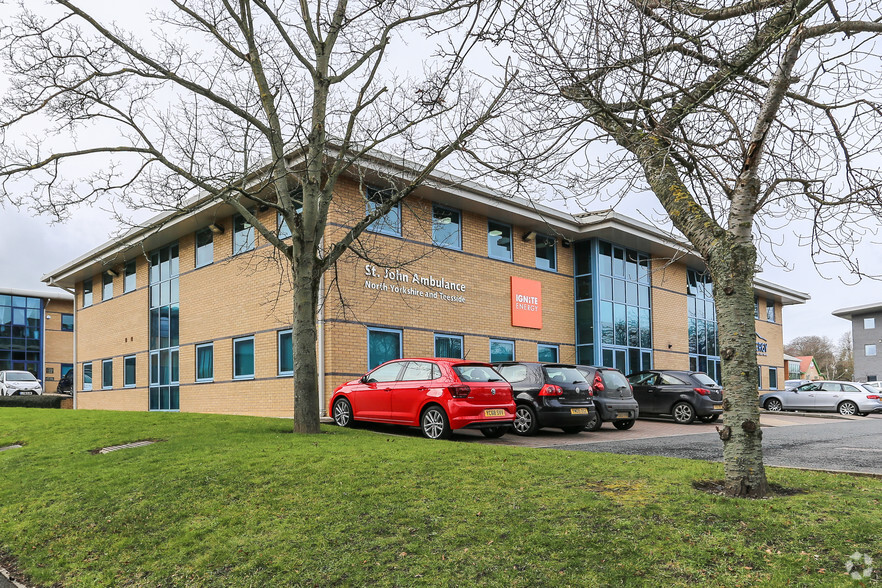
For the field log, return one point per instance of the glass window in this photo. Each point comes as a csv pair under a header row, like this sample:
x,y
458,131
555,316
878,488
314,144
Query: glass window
x,y
499,240
770,310
756,307
129,281
129,371
87,376
65,368
106,286
547,353
205,362
387,373
773,378
869,350
546,255
501,350
286,353
243,235
420,370
446,227
204,247
869,323
283,230
67,322
87,293
513,373
243,357
383,345
448,346
107,374
390,223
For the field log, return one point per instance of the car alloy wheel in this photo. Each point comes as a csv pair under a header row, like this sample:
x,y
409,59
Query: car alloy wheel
x,y
683,413
525,420
342,413
848,408
774,405
434,423
623,425
595,423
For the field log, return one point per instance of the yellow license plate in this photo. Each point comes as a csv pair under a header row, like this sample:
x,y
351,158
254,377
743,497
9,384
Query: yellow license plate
x,y
623,415
718,407
494,412
578,411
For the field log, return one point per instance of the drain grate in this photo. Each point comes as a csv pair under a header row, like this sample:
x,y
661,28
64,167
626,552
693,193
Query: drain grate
x,y
15,446
126,446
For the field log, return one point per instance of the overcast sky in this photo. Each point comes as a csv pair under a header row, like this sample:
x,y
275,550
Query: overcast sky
x,y
31,247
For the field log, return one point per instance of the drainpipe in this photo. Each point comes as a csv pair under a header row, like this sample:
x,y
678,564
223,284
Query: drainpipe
x,y
321,344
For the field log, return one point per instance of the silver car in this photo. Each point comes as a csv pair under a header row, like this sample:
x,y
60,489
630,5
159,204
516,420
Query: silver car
x,y
19,383
848,398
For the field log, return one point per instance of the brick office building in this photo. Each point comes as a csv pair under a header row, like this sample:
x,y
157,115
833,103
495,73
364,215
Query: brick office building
x,y
37,333
192,312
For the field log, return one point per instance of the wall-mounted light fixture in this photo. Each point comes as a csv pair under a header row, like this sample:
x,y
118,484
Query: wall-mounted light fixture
x,y
216,229
111,272
566,243
529,236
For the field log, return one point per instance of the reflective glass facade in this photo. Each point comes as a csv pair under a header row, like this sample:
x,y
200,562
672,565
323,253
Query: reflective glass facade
x,y
704,351
613,306
21,334
164,329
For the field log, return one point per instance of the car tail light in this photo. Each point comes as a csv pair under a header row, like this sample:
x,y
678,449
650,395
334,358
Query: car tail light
x,y
873,396
598,382
702,391
459,391
590,391
551,390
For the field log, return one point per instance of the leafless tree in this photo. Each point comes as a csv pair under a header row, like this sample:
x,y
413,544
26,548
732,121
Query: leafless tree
x,y
256,102
742,117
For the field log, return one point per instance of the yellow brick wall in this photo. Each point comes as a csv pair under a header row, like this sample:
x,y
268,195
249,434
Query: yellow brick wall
x,y
57,344
670,317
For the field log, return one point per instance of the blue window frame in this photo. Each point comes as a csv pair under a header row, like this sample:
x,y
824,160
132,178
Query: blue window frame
x,y
388,224
107,374
286,353
87,376
164,328
704,353
547,353
448,346
204,247
243,358
499,241
205,362
129,371
770,311
67,322
546,252
383,345
106,286
446,227
130,278
243,235
501,350
773,378
87,293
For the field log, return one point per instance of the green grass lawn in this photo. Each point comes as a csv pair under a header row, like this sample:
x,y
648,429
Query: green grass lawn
x,y
239,501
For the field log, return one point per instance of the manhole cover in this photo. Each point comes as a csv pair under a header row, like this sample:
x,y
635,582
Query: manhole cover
x,y
126,446
16,446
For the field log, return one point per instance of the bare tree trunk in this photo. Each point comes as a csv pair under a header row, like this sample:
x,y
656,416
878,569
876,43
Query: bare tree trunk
x,y
304,337
732,272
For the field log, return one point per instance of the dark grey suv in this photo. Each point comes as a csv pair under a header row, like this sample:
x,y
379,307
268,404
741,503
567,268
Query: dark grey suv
x,y
684,395
613,400
548,395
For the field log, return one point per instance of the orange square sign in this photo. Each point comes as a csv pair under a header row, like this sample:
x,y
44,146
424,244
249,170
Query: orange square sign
x,y
526,303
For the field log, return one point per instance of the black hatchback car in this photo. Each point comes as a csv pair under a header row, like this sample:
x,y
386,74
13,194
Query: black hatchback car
x,y
613,399
684,395
548,395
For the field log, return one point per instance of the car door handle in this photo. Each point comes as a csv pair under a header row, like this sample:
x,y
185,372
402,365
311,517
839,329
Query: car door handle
x,y
422,389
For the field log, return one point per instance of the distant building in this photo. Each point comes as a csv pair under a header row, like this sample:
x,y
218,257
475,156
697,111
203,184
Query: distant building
x,y
866,336
808,368
37,333
791,367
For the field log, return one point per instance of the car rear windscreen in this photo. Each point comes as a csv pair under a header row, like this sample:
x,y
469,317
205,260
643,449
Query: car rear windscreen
x,y
477,373
564,375
614,379
704,379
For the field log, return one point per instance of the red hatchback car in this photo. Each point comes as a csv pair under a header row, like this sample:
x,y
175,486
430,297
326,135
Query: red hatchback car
x,y
436,395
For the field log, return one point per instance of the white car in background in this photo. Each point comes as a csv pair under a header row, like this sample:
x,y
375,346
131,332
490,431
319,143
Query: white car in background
x,y
19,383
847,398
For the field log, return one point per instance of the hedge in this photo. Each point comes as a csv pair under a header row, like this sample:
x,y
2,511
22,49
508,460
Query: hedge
x,y
44,401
